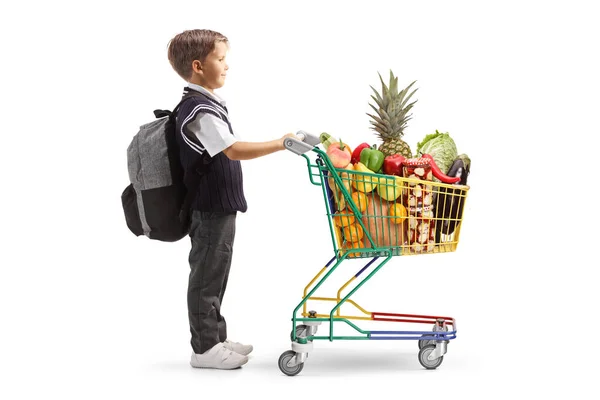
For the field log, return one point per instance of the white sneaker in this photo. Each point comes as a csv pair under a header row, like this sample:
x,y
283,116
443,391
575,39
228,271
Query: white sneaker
x,y
218,357
243,349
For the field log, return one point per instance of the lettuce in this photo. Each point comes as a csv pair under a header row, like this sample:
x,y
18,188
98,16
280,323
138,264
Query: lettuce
x,y
441,147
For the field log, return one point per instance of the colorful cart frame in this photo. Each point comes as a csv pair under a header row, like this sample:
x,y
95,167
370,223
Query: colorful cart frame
x,y
378,235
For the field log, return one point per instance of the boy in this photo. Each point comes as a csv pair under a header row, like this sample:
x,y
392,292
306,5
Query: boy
x,y
210,155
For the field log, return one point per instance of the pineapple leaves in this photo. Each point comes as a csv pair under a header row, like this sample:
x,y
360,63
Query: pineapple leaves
x,y
392,109
377,110
378,100
376,118
385,115
384,91
401,98
393,83
381,129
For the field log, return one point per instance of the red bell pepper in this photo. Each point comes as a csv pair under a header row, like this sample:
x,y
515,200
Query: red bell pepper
x,y
392,165
356,153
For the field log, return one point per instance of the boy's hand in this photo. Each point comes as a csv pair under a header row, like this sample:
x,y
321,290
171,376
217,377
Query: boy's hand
x,y
287,135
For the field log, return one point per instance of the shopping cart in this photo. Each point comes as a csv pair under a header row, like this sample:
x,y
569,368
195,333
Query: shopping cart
x,y
377,217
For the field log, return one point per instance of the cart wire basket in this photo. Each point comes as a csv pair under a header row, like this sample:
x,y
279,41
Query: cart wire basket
x,y
376,217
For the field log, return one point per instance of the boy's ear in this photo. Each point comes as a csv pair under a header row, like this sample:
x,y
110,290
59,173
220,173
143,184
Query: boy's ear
x,y
196,66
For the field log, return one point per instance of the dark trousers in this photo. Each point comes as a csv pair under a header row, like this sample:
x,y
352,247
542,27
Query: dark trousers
x,y
212,235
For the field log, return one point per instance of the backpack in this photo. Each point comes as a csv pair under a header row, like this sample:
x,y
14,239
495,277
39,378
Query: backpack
x,y
156,202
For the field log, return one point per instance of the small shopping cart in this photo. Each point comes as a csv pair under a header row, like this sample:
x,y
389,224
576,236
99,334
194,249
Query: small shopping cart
x,y
375,217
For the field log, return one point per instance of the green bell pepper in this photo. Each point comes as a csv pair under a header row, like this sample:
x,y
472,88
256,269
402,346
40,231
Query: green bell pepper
x,y
372,158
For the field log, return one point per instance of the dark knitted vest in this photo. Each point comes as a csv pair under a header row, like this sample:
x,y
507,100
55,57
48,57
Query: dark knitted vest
x,y
217,181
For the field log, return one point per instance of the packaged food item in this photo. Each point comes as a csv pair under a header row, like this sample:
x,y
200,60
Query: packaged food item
x,y
421,229
417,168
419,199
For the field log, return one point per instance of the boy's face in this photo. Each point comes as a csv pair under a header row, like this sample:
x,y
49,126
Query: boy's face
x,y
213,69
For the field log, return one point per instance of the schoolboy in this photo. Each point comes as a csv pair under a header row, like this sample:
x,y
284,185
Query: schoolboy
x,y
210,155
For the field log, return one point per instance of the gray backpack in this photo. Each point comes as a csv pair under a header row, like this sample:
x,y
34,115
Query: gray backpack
x,y
156,202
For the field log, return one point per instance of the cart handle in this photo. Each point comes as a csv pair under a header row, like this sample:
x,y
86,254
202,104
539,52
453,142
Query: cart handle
x,y
304,142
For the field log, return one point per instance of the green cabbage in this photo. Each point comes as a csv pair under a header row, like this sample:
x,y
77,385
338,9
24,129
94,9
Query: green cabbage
x,y
441,147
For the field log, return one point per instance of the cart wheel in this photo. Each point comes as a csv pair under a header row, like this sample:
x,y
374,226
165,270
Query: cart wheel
x,y
284,359
426,342
423,343
300,331
424,353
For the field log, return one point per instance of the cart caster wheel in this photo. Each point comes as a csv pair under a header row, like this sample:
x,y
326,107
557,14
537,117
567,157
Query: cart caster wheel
x,y
423,343
424,353
286,357
301,331
426,342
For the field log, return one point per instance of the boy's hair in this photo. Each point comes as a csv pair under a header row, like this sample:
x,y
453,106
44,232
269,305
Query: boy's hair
x,y
192,45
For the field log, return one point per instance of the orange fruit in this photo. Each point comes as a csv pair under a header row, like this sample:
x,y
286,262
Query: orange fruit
x,y
398,212
353,245
353,233
344,219
361,200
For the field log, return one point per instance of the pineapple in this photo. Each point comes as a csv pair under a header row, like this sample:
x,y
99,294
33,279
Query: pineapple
x,y
392,116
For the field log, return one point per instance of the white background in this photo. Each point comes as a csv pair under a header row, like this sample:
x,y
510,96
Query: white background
x,y
90,311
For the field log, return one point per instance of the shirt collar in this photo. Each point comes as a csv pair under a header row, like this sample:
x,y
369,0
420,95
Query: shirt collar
x,y
206,92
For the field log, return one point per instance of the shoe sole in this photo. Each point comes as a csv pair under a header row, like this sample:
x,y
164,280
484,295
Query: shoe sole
x,y
232,367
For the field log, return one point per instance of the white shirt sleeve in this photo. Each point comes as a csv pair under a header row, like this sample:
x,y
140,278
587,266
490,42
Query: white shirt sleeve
x,y
212,132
